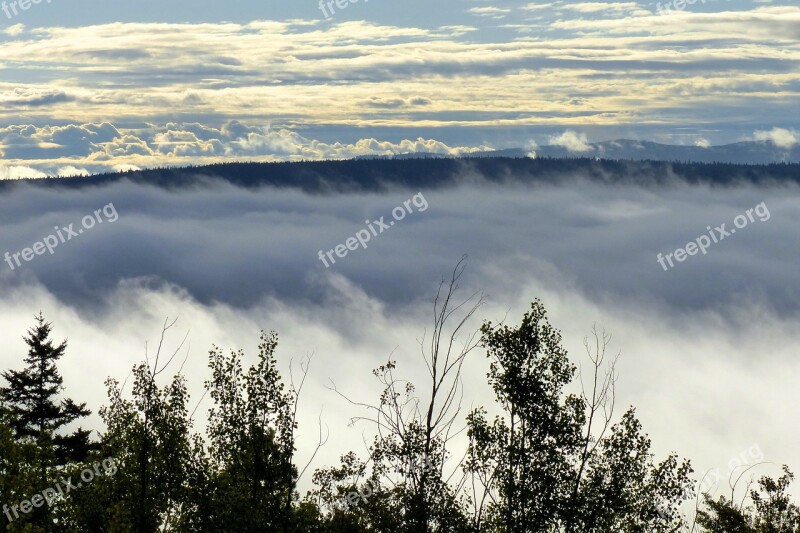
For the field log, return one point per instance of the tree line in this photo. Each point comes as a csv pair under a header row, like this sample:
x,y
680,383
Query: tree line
x,y
382,175
540,459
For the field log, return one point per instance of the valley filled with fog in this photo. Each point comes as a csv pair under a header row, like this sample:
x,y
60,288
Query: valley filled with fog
x,y
708,348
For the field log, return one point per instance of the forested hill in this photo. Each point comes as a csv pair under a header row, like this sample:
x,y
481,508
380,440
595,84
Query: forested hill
x,y
375,175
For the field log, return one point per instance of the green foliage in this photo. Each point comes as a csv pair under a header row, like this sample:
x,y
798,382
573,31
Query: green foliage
x,y
771,511
247,481
149,439
527,452
624,490
19,477
351,501
542,468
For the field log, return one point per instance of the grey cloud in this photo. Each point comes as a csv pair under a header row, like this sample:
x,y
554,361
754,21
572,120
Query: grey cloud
x,y
230,262
235,246
128,54
168,143
397,103
41,100
386,103
18,142
55,141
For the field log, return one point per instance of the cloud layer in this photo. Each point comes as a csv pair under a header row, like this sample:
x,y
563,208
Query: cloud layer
x,y
700,342
609,70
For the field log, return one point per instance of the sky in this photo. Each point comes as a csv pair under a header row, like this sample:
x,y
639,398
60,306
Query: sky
x,y
87,86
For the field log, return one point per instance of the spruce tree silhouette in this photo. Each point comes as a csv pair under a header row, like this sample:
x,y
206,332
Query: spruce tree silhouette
x,y
32,398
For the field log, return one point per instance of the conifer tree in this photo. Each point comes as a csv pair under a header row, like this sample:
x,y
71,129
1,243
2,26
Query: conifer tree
x,y
32,396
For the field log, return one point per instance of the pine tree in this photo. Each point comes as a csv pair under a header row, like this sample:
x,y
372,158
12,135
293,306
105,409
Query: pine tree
x,y
32,397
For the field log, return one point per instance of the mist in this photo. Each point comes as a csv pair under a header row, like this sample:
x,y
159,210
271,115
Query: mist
x,y
708,347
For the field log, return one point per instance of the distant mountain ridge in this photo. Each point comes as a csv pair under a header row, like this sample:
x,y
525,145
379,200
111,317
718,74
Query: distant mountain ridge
x,y
382,175
741,153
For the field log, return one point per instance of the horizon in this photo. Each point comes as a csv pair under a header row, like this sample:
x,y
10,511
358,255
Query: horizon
x,y
465,157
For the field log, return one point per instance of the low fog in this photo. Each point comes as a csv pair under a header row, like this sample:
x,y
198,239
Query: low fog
x,y
708,347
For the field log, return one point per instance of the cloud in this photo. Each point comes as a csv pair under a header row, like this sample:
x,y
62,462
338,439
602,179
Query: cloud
x,y
594,7
536,6
490,12
103,146
397,103
70,171
702,143
348,79
15,30
780,137
588,250
572,141
34,97
19,172
589,220
49,142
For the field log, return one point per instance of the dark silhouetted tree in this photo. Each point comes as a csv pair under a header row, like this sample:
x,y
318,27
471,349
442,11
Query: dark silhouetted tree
x,y
551,461
33,397
149,437
770,510
247,481
411,487
19,477
38,412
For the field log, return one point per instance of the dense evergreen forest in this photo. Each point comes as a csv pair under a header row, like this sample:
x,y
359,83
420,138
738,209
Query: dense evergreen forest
x,y
377,175
538,460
